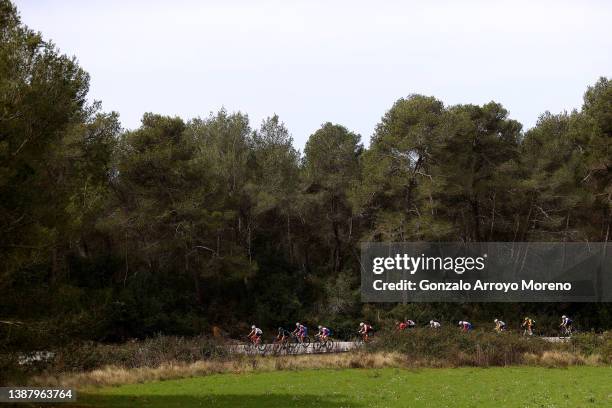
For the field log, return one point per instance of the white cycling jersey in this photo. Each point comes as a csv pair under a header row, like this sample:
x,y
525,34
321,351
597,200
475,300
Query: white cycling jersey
x,y
435,325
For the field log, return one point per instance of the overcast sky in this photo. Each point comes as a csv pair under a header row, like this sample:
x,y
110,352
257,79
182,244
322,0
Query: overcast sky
x,y
339,61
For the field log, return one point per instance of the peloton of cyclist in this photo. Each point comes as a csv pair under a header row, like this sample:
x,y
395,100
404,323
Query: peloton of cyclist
x,y
365,330
323,333
500,326
528,326
434,324
465,325
255,334
300,331
566,324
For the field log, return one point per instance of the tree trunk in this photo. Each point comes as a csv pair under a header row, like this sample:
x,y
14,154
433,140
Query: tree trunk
x,y
492,218
196,280
476,219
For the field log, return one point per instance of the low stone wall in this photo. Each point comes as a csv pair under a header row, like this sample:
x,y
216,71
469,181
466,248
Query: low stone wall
x,y
293,348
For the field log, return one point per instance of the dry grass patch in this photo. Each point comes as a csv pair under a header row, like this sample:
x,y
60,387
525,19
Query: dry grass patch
x,y
559,359
113,375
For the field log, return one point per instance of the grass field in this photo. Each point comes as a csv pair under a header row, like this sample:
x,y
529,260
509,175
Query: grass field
x,y
459,387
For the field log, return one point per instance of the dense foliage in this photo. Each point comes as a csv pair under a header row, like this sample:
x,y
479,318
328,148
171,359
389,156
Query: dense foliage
x,y
178,225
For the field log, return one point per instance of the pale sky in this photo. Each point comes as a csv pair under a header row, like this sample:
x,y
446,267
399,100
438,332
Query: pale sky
x,y
339,61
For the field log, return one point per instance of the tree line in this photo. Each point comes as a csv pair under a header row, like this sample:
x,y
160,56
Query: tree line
x,y
179,224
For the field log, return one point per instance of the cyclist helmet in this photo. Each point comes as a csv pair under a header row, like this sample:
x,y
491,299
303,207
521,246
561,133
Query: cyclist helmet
x,y
253,326
320,326
361,324
431,322
526,318
495,320
564,317
297,324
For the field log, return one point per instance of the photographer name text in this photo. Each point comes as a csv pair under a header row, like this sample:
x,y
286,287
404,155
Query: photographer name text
x,y
477,286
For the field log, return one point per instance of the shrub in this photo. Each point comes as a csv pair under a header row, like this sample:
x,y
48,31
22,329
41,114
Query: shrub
x,y
477,348
147,353
86,356
589,343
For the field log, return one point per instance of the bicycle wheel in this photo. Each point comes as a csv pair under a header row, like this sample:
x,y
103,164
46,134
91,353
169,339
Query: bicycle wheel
x,y
286,347
306,342
329,345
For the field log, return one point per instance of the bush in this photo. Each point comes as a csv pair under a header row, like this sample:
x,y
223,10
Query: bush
x,y
85,356
9,369
147,353
591,344
452,347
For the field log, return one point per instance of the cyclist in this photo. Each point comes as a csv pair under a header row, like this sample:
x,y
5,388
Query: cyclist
x,y
255,334
323,333
500,326
282,335
300,331
465,326
410,324
434,324
401,326
365,330
528,326
566,324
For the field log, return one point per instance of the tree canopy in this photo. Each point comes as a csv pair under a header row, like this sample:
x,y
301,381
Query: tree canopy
x,y
182,224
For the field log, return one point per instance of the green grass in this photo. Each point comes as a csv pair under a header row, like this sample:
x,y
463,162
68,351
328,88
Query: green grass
x,y
460,387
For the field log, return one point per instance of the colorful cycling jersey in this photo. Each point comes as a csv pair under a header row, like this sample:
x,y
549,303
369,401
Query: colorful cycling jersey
x,y
302,330
465,325
402,325
501,324
325,331
257,331
566,321
528,322
410,323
